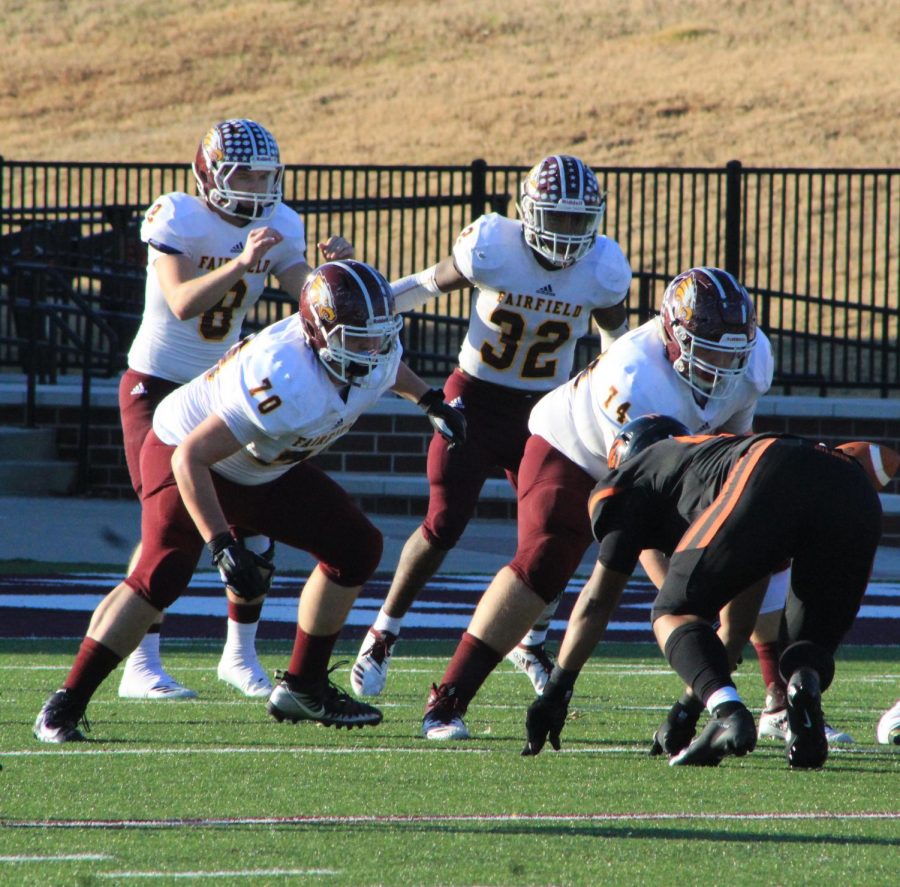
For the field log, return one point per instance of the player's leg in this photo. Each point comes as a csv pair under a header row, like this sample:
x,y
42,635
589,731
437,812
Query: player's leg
x,y
143,675
553,534
239,665
306,509
829,576
169,554
455,479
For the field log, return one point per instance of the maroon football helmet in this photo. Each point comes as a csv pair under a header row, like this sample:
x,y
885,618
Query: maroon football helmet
x,y
347,313
561,207
231,146
709,327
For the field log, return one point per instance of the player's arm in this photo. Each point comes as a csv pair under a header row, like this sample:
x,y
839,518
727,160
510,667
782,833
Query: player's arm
x,y
612,322
590,616
245,574
189,293
192,462
413,291
291,280
448,422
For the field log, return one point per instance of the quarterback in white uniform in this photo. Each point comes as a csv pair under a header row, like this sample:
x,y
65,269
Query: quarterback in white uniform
x,y
208,258
228,450
538,283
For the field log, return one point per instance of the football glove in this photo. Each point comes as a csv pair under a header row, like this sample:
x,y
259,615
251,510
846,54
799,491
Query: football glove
x,y
547,715
447,421
247,574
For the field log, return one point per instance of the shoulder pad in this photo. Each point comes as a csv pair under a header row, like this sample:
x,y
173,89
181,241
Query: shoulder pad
x,y
761,367
482,245
611,268
171,217
288,222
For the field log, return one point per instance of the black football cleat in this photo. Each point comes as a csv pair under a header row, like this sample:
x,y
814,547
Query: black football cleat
x,y
806,745
59,718
676,731
322,701
734,734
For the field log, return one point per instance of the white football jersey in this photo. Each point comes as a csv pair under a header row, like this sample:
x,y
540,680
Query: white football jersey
x,y
178,350
526,320
275,397
634,378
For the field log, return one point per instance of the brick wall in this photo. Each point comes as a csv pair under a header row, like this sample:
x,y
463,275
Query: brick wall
x,y
393,440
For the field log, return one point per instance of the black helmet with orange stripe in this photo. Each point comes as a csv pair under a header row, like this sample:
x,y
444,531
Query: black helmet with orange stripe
x,y
638,434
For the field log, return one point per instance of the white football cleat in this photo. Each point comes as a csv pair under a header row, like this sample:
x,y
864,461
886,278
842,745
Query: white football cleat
x,y
140,682
369,673
533,661
246,675
773,725
837,737
443,715
888,732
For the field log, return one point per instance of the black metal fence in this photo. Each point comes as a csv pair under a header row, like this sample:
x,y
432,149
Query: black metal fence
x,y
817,248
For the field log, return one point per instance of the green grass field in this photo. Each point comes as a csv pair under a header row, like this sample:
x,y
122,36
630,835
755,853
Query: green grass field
x,y
213,791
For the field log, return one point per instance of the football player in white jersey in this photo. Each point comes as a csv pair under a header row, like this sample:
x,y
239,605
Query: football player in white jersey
x,y
538,284
703,361
208,259
229,450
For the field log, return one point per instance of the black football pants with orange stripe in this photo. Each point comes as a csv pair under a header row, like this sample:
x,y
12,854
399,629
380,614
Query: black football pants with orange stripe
x,y
798,503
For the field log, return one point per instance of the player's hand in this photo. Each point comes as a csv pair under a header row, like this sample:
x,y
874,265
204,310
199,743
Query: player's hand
x,y
247,574
447,421
336,248
545,719
259,242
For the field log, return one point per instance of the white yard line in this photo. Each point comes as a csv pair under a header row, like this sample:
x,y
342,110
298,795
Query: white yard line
x,y
69,857
398,819
241,873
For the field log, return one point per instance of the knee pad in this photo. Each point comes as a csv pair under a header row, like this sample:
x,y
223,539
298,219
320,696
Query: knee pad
x,y
363,556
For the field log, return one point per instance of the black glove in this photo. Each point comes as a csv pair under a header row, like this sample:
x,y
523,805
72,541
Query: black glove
x,y
547,714
247,574
679,727
448,422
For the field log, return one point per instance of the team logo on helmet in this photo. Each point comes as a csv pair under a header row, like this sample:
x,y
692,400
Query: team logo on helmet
x,y
320,298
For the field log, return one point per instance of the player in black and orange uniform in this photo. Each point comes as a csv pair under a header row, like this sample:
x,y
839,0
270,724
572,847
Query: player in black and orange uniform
x,y
729,509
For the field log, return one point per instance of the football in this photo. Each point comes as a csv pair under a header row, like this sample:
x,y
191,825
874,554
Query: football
x,y
879,462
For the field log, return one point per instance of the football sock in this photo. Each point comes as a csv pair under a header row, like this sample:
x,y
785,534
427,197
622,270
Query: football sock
x,y
240,638
93,664
538,633
768,654
244,613
383,623
146,654
470,666
309,660
723,702
699,658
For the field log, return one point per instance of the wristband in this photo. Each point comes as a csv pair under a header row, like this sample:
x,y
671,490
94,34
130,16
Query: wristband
x,y
430,398
220,542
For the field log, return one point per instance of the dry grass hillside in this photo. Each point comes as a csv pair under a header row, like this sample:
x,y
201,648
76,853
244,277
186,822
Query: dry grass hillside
x,y
626,82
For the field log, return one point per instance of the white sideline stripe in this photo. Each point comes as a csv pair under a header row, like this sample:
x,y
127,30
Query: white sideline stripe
x,y
431,748
70,857
245,873
391,819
